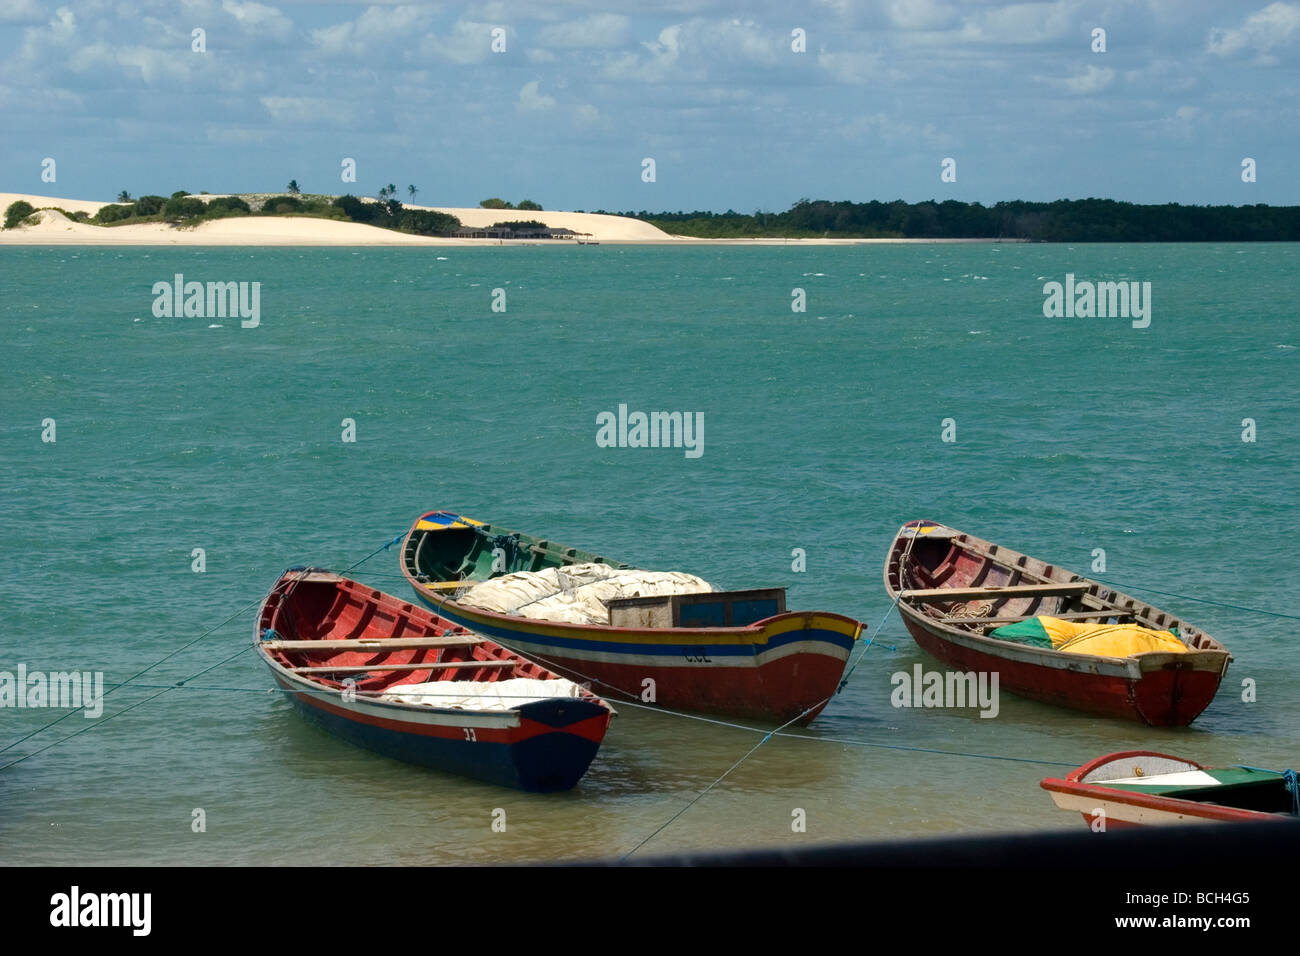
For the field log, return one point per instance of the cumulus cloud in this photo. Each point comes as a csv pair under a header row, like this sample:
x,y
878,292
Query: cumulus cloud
x,y
255,17
531,100
21,11
598,30
1018,23
1091,80
690,50
374,30
470,41
919,14
1277,24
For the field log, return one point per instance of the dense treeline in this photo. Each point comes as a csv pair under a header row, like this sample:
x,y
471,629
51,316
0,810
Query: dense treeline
x,y
1083,220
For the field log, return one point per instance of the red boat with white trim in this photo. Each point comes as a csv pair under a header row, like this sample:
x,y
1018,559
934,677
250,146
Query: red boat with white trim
x,y
394,678
1140,787
952,588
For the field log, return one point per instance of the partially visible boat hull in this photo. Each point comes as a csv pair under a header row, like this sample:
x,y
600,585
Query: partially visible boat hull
x,y
525,754
784,669
1168,790
1169,693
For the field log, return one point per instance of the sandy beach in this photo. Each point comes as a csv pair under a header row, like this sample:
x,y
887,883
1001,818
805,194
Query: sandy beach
x,y
55,228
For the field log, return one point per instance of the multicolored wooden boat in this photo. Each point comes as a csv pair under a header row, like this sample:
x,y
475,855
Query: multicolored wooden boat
x,y
953,588
393,678
1139,787
737,653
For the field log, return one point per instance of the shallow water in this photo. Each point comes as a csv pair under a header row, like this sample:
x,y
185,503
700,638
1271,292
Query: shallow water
x,y
822,433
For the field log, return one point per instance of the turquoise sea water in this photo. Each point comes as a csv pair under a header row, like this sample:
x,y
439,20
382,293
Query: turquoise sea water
x,y
822,432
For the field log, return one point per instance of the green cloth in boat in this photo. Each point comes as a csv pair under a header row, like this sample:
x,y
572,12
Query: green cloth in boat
x,y
1024,632
1107,640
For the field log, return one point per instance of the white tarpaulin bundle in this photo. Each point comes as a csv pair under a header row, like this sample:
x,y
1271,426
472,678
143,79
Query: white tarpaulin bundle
x,y
576,593
482,695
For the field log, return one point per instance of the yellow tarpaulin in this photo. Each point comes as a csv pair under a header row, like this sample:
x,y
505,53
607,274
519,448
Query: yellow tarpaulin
x,y
1108,640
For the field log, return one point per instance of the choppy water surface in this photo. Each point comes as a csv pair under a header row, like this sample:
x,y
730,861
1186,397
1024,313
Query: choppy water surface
x,y
822,433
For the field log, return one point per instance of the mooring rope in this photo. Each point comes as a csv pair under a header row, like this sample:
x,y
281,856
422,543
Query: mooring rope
x,y
165,657
1189,597
699,796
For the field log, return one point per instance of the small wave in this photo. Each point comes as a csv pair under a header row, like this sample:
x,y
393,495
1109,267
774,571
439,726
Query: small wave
x,y
216,325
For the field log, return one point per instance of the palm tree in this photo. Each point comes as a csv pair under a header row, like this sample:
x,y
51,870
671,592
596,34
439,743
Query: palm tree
x,y
124,196
411,191
293,187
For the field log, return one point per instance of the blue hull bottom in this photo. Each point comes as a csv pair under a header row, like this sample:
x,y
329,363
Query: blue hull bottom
x,y
543,763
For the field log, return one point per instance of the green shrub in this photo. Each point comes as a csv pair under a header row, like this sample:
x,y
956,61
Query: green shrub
x,y
529,205
519,224
426,222
495,203
230,204
114,212
17,212
353,208
149,205
184,207
276,205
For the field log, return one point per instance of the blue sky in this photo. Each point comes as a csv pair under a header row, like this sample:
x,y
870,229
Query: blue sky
x,y
713,92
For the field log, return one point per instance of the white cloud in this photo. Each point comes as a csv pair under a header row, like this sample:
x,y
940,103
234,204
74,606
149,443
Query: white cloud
x,y
470,41
530,100
259,18
308,110
597,30
1019,23
1091,80
688,51
374,30
1275,25
858,67
21,11
919,14
148,64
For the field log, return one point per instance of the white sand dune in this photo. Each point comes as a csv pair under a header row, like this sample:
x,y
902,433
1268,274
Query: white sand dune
x,y
57,229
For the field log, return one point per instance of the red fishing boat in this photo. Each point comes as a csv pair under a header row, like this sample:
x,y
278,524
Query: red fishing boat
x,y
1139,787
958,596
739,653
394,678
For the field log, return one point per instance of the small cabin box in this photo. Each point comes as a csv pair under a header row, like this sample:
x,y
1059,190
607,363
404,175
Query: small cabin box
x,y
707,609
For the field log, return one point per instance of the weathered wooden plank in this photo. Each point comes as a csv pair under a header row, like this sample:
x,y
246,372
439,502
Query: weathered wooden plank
x,y
426,666
373,644
1065,616
1014,590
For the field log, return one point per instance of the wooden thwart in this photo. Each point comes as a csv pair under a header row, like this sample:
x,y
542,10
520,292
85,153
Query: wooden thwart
x,y
426,666
1067,616
374,644
1014,590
